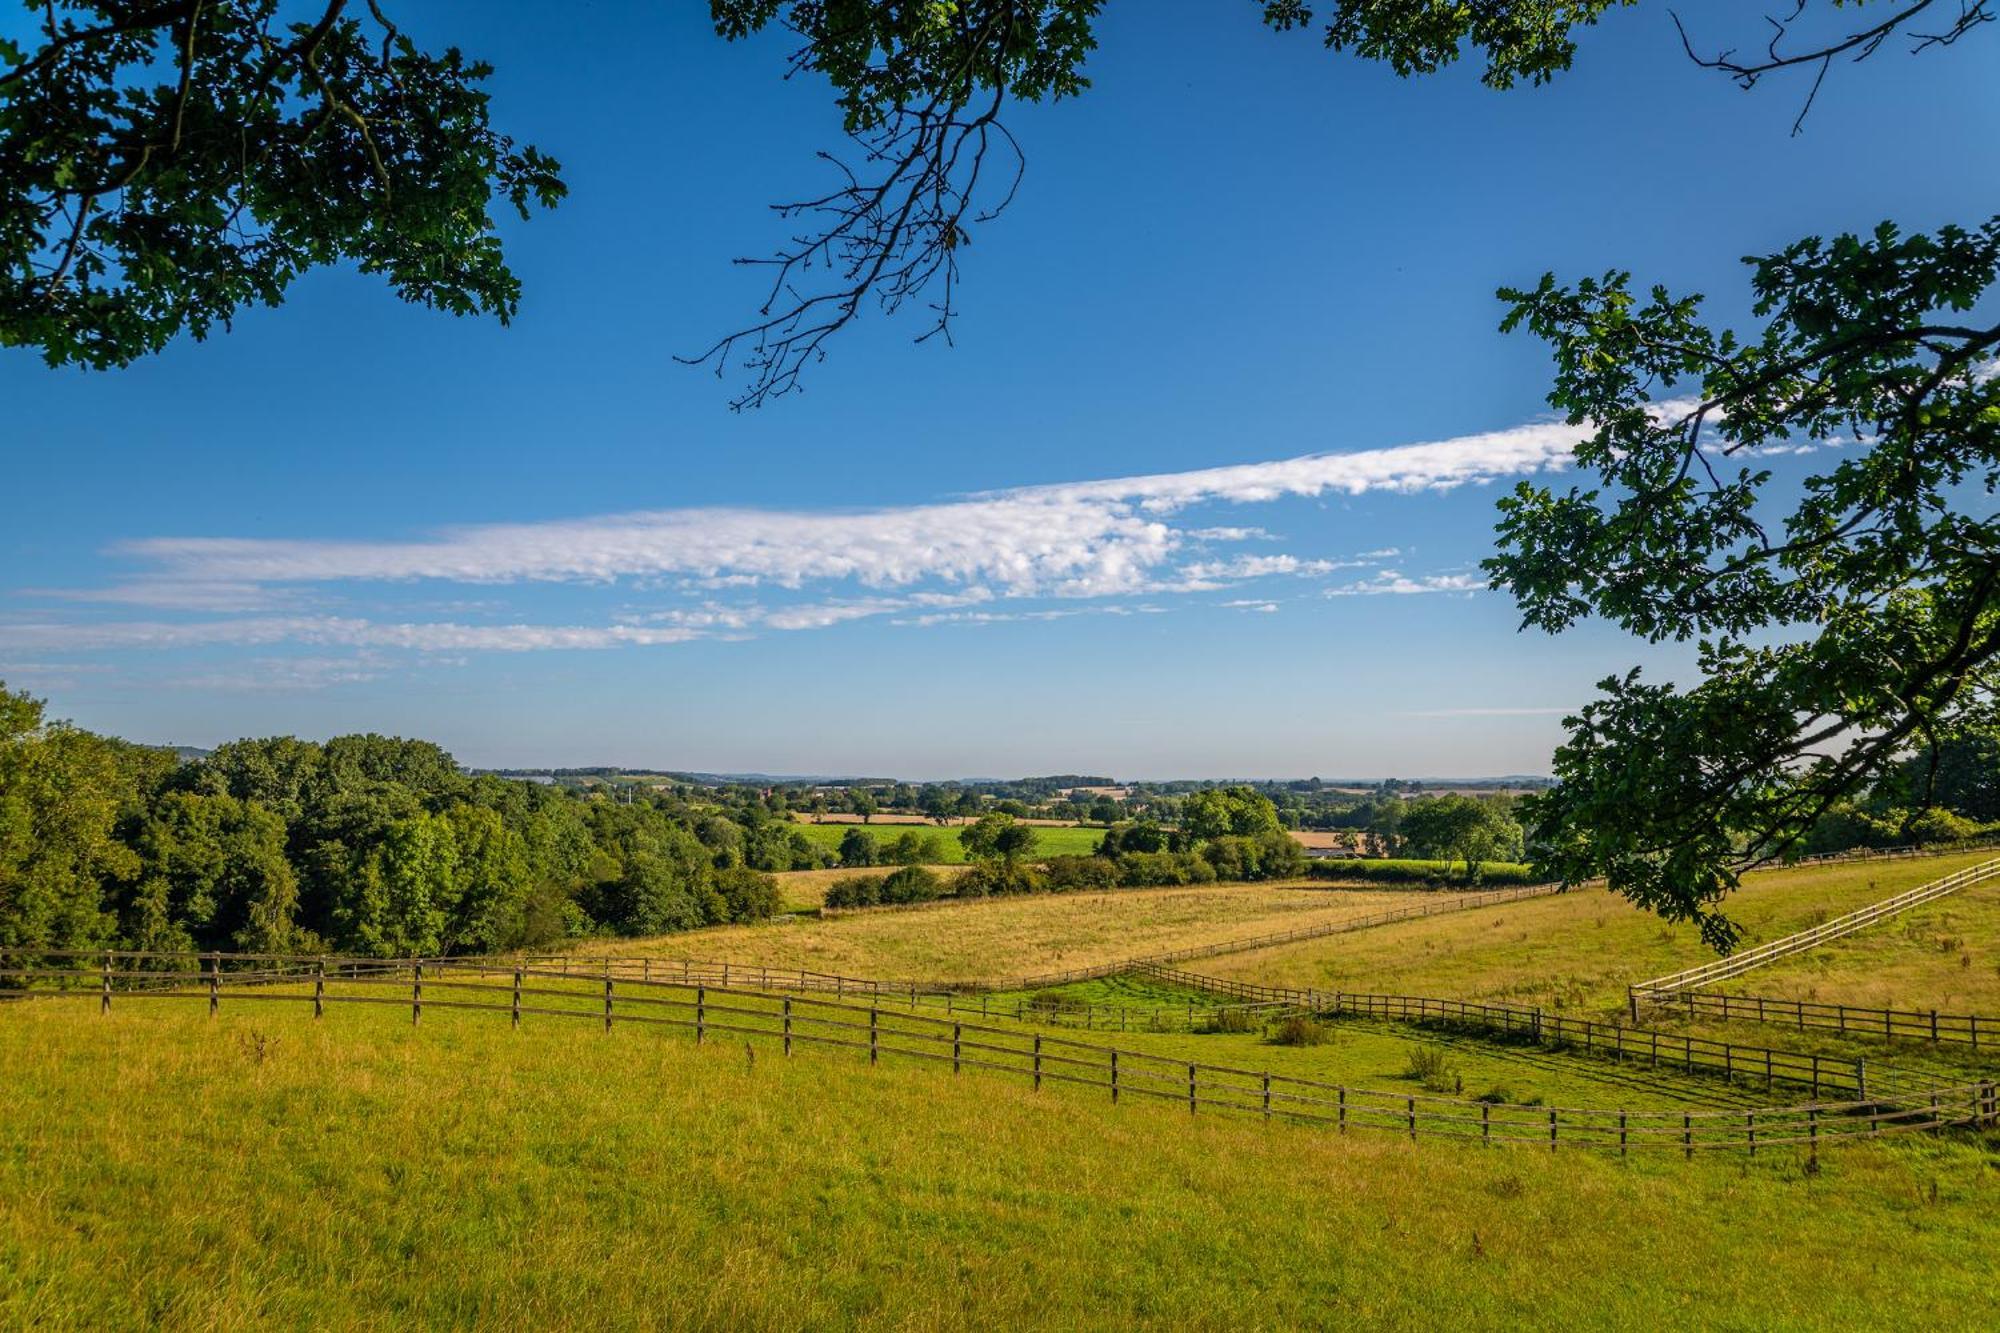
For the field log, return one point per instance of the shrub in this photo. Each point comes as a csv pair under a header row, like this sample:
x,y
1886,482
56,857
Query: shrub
x,y
1074,874
854,891
1301,1030
995,878
751,896
911,884
1432,1067
1231,1018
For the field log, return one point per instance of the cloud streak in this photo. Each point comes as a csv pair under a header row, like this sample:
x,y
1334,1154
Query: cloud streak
x,y
1077,539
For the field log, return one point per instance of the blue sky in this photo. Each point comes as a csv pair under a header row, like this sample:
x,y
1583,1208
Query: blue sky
x,y
1155,514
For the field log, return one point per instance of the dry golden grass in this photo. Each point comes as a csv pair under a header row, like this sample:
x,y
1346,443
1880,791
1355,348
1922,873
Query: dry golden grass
x,y
1012,937
1578,950
1944,955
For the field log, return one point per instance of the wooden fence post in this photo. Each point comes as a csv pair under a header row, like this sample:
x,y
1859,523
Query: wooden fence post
x,y
105,1007
1191,1097
701,1015
416,992
1552,1129
874,1024
214,984
956,1030
1038,1062
1267,1094
1410,1109
607,1002
1114,1076
1687,1134
319,989
517,999
1750,1126
1621,1133
1486,1123
788,1025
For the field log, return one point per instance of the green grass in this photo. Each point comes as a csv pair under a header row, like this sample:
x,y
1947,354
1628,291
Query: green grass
x,y
158,1168
1049,841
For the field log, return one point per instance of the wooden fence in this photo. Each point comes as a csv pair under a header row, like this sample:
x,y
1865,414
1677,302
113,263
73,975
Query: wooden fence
x,y
1734,1061
1846,1019
888,1031
1737,964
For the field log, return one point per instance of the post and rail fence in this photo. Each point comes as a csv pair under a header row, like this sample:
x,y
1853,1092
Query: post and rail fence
x,y
791,1019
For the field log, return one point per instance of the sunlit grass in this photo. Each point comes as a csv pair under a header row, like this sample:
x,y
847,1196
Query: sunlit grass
x,y
1015,937
161,1168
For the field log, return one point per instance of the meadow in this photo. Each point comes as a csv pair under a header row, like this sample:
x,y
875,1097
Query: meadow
x,y
1578,951
1050,840
357,1173
986,938
359,1170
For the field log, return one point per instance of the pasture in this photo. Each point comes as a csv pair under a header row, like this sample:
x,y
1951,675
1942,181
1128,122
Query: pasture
x,y
360,1169
1015,936
356,1172
1578,950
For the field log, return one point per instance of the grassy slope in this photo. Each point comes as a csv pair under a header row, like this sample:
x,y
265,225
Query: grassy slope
x,y
1057,840
155,1170
1576,951
1003,937
1944,955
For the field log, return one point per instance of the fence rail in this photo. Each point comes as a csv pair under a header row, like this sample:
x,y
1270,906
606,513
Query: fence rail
x,y
788,1018
1735,1061
1738,963
1846,1019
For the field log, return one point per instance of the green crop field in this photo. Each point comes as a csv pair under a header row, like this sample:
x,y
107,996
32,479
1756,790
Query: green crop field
x,y
1051,840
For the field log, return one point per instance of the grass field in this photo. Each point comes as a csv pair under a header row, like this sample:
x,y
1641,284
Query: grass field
x,y
1944,955
805,890
1055,840
1576,951
992,938
158,1168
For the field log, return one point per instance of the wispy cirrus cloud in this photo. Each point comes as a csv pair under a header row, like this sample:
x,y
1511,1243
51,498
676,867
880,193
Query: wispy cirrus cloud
x,y
1072,539
1102,542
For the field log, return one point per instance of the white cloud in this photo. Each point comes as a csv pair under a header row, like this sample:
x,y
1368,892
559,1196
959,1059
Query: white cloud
x,y
1092,538
1391,583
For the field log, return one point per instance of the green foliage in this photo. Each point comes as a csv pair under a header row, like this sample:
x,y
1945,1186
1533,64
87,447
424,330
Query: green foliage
x,y
367,844
1221,812
1432,1066
1521,39
1832,637
1301,1030
1461,828
997,837
167,165
1397,870
857,848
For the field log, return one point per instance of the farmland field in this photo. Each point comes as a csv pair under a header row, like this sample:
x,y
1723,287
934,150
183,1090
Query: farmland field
x,y
1577,950
805,890
1050,840
1016,936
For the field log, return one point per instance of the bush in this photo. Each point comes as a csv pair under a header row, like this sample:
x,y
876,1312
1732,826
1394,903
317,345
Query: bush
x,y
1232,1018
914,849
854,891
1075,874
911,884
1301,1030
1432,1067
993,878
751,896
